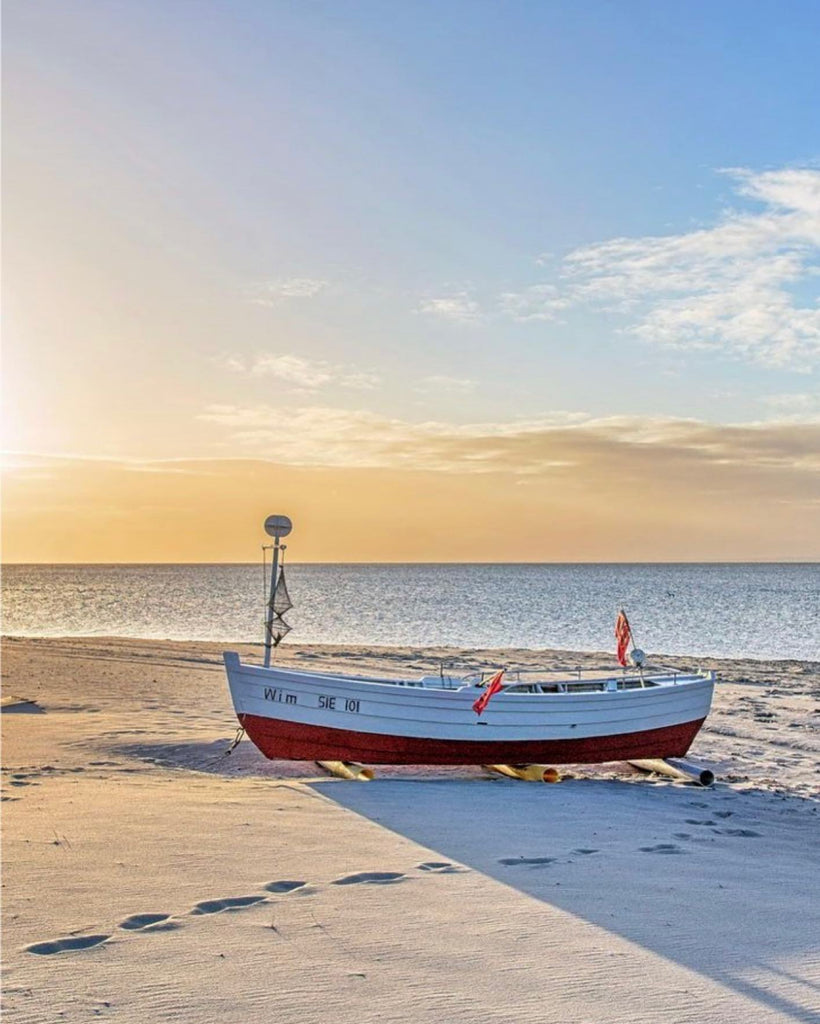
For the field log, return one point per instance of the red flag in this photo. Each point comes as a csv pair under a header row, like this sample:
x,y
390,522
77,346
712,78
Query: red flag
x,y
493,686
623,634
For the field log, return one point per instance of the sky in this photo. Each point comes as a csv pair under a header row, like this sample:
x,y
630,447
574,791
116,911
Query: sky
x,y
451,281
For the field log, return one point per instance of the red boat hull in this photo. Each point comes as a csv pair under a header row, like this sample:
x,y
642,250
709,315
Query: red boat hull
x,y
294,742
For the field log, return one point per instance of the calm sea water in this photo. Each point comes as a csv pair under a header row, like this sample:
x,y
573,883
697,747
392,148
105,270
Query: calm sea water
x,y
758,611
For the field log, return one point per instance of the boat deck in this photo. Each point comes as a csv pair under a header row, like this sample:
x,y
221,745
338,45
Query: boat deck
x,y
548,682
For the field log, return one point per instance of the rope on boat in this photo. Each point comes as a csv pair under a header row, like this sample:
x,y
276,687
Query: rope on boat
x,y
240,732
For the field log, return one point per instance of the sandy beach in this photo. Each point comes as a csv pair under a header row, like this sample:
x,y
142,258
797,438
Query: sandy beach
x,y
148,876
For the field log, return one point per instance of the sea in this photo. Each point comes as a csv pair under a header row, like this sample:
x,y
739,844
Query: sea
x,y
761,611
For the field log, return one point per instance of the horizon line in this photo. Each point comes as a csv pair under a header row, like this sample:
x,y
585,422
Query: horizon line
x,y
662,561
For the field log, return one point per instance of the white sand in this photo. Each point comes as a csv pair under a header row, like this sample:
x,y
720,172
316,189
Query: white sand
x,y
607,898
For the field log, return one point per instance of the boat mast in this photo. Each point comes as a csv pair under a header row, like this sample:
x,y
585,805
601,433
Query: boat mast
x,y
276,527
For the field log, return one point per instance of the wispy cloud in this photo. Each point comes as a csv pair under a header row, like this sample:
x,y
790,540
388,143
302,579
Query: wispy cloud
x,y
319,435
298,372
799,405
458,307
566,443
538,302
734,287
275,292
441,382
292,370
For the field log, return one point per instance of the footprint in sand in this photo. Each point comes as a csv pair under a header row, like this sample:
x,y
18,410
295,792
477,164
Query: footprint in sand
x,y
440,867
229,903
138,922
745,833
70,945
662,848
531,861
370,877
283,886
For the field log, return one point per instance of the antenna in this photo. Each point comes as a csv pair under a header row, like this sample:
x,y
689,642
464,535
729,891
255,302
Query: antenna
x,y
276,527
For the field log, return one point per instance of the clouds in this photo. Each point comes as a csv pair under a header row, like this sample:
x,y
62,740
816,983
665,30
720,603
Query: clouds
x,y
746,287
564,446
458,307
794,191
308,376
731,287
300,373
277,291
538,302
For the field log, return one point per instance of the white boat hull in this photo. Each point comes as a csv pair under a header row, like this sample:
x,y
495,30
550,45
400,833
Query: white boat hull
x,y
310,716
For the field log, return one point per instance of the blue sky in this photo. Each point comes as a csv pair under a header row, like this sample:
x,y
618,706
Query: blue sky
x,y
384,222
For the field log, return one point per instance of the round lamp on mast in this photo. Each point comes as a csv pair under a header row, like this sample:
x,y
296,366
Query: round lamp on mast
x,y
278,526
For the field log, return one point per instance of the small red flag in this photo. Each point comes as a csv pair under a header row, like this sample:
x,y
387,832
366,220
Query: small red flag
x,y
623,634
493,686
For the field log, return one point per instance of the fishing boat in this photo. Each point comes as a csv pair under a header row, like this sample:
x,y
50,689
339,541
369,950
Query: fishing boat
x,y
452,719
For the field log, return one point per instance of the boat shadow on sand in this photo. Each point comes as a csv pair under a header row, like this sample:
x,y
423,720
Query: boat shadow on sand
x,y
713,880
720,881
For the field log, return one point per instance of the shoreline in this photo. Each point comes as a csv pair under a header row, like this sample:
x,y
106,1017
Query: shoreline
x,y
384,651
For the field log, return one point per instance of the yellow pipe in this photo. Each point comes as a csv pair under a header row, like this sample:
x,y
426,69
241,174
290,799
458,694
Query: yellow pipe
x,y
501,769
660,767
527,772
348,770
683,771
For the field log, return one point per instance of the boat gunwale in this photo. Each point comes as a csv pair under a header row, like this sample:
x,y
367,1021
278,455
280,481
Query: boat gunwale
x,y
656,683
